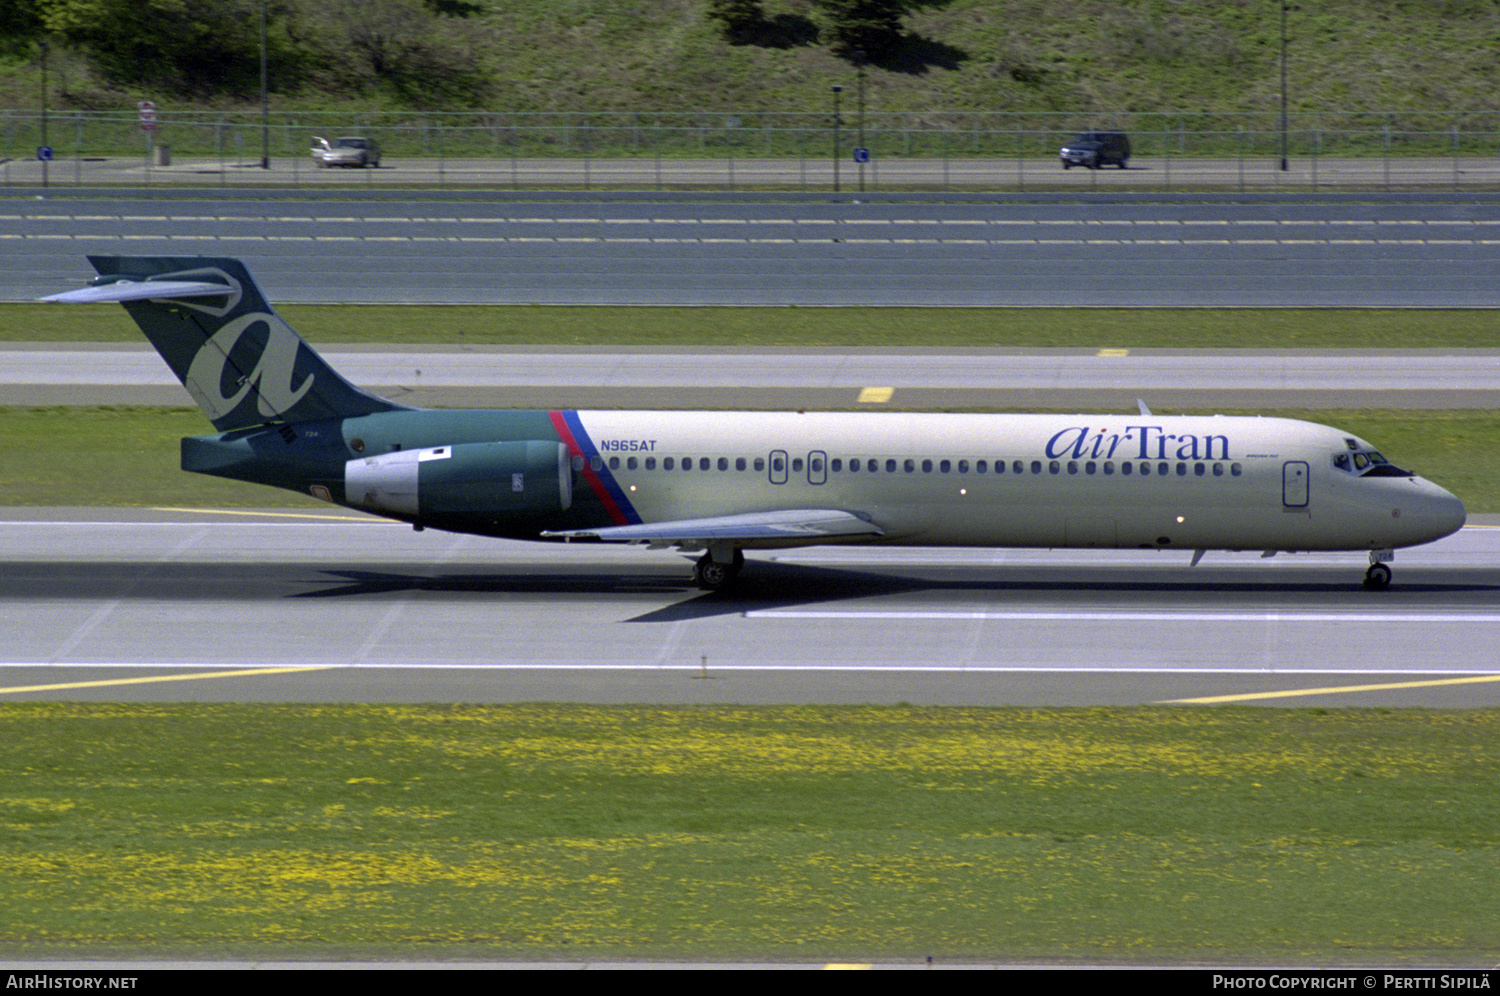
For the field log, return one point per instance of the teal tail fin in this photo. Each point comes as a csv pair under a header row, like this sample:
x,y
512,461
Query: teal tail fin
x,y
242,364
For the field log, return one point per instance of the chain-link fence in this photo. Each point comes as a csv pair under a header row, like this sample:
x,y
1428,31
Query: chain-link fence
x,y
731,150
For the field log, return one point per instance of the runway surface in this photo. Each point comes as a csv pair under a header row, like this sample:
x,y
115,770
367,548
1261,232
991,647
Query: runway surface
x,y
1060,253
330,606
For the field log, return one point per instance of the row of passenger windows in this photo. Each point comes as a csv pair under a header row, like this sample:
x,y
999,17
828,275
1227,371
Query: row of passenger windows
x,y
814,466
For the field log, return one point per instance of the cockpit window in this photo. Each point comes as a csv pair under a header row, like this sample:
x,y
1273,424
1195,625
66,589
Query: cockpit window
x,y
1368,463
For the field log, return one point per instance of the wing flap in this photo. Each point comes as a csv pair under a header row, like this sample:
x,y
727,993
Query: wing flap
x,y
785,524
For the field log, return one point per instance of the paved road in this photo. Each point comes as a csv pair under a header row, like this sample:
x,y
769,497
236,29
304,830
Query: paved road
x,y
816,173
1065,254
786,379
330,607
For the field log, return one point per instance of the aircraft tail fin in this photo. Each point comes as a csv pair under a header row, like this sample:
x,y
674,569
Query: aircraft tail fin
x,y
242,364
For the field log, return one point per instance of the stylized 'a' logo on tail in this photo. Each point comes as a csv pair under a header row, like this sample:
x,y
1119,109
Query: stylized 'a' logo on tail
x,y
242,364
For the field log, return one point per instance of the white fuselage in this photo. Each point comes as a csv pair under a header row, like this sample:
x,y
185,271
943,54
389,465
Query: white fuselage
x,y
1022,480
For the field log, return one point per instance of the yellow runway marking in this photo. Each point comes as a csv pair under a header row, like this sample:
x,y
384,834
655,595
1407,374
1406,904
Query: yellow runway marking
x,y
1113,352
277,515
876,395
1337,690
163,677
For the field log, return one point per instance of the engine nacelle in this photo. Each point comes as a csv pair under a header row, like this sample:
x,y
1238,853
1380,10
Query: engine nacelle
x,y
530,477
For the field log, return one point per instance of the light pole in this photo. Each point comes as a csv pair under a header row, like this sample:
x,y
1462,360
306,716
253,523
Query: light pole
x,y
1283,84
41,150
859,64
265,104
837,154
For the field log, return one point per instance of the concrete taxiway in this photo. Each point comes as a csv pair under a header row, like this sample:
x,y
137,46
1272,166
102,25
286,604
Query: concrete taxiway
x,y
289,605
781,379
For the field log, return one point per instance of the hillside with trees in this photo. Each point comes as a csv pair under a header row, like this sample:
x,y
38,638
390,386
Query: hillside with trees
x,y
1177,56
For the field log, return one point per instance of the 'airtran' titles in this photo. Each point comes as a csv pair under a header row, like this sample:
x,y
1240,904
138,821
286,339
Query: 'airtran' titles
x,y
1137,442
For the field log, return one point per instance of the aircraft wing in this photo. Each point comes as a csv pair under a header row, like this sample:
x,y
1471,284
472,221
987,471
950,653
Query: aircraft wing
x,y
808,524
140,290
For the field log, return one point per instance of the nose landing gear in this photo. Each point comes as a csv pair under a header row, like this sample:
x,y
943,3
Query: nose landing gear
x,y
1379,575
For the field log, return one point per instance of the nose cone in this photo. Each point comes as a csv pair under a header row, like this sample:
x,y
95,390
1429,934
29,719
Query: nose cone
x,y
1429,513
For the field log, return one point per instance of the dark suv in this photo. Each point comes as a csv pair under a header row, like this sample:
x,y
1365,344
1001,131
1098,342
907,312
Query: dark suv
x,y
1096,148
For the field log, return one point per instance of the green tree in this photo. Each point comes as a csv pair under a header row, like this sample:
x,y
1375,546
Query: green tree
x,y
21,24
872,27
197,48
401,45
739,20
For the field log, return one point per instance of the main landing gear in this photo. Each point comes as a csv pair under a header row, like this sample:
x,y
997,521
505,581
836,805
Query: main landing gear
x,y
712,574
1378,577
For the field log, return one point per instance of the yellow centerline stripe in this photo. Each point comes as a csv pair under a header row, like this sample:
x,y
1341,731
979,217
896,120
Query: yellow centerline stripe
x,y
1339,690
164,677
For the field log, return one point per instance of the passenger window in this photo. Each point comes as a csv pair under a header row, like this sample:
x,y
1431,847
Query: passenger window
x,y
797,465
1218,470
910,466
1109,468
890,466
614,463
963,466
651,463
1126,468
760,463
667,463
739,463
687,463
1198,469
1036,466
815,465
945,466
1054,467
926,466
1235,470
723,463
703,463
835,465
630,463
777,465
1018,467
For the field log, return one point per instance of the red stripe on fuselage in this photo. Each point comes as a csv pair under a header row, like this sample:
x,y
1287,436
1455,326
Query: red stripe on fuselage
x,y
601,490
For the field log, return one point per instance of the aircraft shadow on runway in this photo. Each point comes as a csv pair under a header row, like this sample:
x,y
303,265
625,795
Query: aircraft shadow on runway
x,y
770,585
764,585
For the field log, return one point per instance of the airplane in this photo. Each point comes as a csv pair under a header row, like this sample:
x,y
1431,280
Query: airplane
x,y
717,483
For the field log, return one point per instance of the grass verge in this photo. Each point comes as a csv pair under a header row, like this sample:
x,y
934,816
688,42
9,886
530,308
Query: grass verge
x,y
972,328
548,831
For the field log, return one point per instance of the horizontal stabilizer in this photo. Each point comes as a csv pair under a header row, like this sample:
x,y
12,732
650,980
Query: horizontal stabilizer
x,y
790,524
140,290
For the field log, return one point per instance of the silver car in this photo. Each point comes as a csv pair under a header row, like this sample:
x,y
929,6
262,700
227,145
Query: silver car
x,y
347,151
